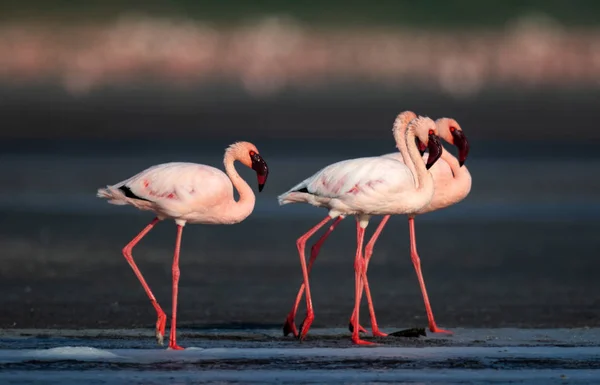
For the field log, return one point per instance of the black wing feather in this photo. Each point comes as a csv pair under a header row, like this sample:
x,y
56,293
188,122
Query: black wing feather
x,y
129,194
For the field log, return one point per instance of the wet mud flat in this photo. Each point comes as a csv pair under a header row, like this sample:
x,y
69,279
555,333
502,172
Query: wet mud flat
x,y
471,356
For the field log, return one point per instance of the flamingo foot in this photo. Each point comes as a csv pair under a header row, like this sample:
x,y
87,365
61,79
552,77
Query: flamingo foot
x,y
360,328
161,323
173,342
435,329
305,325
379,333
290,326
358,341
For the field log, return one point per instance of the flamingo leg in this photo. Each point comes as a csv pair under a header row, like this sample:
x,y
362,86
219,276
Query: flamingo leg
x,y
301,244
417,263
173,335
359,273
162,318
290,325
368,254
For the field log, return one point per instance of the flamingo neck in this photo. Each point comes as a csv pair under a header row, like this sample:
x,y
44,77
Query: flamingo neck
x,y
240,210
399,131
461,175
423,178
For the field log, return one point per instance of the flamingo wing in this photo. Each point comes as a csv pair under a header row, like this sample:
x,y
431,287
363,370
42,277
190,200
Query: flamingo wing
x,y
176,183
357,175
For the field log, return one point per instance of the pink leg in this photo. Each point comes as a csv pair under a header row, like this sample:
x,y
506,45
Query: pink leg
x,y
359,270
162,318
417,263
301,243
368,254
173,335
290,325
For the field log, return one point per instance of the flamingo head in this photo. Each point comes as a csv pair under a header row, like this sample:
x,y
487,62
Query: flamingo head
x,y
452,133
426,136
248,155
400,125
404,118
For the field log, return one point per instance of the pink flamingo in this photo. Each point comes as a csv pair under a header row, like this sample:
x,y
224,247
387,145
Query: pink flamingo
x,y
364,187
188,193
452,183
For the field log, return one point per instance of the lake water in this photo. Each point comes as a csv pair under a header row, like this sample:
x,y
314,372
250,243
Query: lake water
x,y
519,253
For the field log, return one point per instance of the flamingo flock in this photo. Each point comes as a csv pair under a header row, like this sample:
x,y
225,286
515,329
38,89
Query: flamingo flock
x,y
452,183
409,182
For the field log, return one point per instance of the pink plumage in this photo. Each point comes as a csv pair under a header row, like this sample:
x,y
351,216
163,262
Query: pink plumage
x,y
188,193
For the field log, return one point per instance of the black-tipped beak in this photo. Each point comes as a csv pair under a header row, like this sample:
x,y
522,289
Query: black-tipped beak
x,y
461,142
262,170
435,150
421,146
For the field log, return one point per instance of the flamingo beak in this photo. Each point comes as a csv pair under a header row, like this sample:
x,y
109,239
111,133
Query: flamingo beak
x,y
461,142
435,150
262,170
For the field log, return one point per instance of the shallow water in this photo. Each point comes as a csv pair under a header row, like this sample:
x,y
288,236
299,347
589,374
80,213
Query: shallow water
x,y
471,356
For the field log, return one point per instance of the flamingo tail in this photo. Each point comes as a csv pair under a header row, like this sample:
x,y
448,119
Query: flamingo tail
x,y
297,194
114,195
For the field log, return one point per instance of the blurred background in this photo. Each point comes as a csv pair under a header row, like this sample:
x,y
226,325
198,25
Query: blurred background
x,y
92,92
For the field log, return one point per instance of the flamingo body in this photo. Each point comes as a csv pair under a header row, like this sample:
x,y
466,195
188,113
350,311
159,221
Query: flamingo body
x,y
186,192
358,186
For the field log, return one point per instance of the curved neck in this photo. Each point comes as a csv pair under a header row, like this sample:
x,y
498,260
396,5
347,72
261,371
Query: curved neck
x,y
461,175
399,130
238,211
415,162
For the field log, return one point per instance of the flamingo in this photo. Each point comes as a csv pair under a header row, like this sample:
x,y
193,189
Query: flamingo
x,y
187,193
452,182
364,187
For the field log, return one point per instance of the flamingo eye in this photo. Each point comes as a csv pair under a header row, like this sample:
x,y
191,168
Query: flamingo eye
x,y
252,153
430,132
452,129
